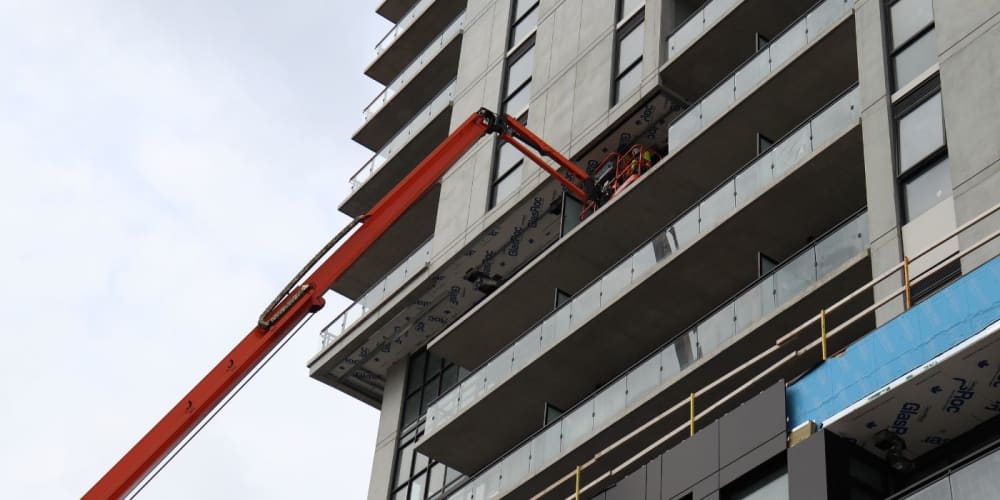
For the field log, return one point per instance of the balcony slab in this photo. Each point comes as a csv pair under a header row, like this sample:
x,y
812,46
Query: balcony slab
x,y
826,68
729,42
396,244
365,196
411,98
394,59
669,300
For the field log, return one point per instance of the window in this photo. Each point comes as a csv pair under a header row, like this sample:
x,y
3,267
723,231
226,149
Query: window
x,y
628,52
924,172
507,166
627,7
525,20
571,208
518,86
921,132
912,45
418,477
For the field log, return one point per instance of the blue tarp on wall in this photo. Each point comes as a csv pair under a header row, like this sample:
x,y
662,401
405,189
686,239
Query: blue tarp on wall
x,y
929,329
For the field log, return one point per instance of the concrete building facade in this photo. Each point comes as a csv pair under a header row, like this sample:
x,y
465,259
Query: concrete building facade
x,y
779,307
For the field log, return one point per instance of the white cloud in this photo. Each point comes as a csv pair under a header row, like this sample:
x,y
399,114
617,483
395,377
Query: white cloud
x,y
166,166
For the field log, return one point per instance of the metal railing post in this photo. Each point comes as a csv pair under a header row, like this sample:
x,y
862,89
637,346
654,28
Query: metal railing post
x,y
692,414
907,303
822,331
577,496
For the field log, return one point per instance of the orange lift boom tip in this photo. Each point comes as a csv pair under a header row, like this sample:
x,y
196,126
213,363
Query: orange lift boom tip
x,y
296,302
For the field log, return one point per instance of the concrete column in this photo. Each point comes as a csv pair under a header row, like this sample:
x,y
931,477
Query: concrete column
x,y
880,177
381,480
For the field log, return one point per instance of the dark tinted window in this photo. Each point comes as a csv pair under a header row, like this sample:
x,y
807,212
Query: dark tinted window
x,y
913,60
909,17
926,189
921,132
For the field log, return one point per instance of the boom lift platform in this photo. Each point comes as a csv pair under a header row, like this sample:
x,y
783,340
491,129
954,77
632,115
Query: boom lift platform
x,y
303,297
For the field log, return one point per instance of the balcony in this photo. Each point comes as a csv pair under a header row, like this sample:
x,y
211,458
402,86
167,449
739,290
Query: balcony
x,y
740,328
896,378
787,187
358,359
434,69
414,31
403,152
732,91
380,174
372,300
394,10
721,35
807,80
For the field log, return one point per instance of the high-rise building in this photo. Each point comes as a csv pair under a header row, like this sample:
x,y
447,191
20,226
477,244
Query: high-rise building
x,y
798,298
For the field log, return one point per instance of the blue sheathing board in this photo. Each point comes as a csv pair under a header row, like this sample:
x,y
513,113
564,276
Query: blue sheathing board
x,y
930,328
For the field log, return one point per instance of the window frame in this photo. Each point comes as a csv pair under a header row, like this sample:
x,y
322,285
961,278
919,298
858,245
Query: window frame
x,y
513,57
432,369
893,50
516,22
929,161
623,29
517,49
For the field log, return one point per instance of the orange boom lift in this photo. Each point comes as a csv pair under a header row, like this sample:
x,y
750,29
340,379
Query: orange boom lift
x,y
303,297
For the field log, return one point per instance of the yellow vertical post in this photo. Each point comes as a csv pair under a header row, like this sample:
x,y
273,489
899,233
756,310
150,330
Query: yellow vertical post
x,y
822,331
906,283
692,414
577,482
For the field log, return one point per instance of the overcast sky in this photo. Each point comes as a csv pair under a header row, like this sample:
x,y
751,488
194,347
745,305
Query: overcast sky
x,y
167,166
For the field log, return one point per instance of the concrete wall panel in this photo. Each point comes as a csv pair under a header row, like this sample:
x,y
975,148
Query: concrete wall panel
x,y
597,20
955,19
880,177
477,39
970,87
871,52
593,86
565,37
559,111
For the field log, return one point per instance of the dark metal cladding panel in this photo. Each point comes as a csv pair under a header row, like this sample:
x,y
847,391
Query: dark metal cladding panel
x,y
653,479
632,487
691,461
807,476
752,460
752,424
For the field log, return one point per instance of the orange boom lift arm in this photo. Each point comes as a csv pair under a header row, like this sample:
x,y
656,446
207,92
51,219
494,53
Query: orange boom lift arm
x,y
297,302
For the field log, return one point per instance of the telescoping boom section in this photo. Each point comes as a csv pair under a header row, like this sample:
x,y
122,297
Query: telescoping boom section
x,y
305,296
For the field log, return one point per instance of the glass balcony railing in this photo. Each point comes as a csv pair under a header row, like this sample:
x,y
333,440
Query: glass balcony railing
x,y
751,73
760,174
699,22
404,24
433,108
415,67
371,299
588,417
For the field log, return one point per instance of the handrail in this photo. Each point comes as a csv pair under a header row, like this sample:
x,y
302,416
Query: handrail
x,y
892,271
390,90
854,218
327,337
387,152
403,25
677,117
774,366
686,213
